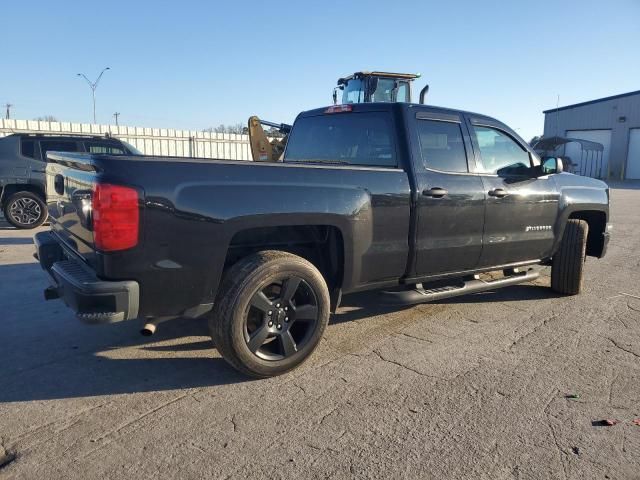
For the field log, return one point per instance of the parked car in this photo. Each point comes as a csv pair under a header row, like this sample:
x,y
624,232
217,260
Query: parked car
x,y
414,199
22,170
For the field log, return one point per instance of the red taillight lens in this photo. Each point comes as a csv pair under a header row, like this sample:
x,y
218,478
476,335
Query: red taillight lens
x,y
116,217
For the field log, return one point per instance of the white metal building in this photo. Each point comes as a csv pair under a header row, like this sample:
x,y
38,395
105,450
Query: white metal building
x,y
612,121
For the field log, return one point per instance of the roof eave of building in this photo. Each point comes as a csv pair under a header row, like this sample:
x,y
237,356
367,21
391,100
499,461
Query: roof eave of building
x,y
590,102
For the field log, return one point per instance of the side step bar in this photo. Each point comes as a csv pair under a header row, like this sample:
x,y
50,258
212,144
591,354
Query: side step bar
x,y
473,285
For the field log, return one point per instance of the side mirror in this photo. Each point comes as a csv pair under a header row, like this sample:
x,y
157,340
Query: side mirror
x,y
551,165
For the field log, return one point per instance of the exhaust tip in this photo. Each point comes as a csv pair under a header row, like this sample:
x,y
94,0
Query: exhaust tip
x,y
148,330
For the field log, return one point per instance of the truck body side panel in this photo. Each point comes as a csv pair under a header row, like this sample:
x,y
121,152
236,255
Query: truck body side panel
x,y
193,209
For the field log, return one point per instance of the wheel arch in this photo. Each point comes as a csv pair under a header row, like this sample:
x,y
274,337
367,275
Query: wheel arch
x,y
321,244
597,221
13,188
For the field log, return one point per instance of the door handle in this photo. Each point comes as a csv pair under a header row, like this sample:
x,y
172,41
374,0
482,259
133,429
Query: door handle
x,y
498,193
435,192
58,184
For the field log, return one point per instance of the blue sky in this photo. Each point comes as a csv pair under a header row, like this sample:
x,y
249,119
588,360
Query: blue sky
x,y
196,64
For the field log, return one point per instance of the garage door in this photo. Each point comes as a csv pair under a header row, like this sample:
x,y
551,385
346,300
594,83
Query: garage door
x,y
633,157
586,165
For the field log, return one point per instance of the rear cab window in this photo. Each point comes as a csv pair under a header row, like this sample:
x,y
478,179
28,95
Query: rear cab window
x,y
106,148
351,138
57,146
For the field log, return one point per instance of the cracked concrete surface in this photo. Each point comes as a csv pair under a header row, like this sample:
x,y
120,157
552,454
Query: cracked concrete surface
x,y
472,387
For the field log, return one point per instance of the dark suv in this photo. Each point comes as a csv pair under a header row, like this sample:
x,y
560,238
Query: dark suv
x,y
22,167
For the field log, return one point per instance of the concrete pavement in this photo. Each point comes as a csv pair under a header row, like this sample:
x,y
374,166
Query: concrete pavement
x,y
472,387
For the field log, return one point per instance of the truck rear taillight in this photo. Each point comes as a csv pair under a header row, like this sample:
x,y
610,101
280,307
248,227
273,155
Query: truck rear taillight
x,y
116,217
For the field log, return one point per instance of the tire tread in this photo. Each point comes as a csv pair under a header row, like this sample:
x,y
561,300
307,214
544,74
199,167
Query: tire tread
x,y
568,263
232,285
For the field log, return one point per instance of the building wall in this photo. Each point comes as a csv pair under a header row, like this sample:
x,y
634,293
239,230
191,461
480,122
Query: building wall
x,y
596,116
150,141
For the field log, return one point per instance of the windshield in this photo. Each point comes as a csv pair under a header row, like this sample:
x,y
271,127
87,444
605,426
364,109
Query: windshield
x,y
384,90
377,90
131,148
353,91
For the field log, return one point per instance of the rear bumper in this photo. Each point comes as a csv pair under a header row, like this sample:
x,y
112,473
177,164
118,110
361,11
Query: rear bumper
x,y
92,299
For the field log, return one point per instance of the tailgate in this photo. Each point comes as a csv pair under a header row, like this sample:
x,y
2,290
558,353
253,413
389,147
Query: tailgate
x,y
70,181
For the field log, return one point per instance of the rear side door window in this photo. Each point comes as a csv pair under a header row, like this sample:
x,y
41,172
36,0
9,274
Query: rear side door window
x,y
28,148
500,154
57,146
442,146
106,148
351,138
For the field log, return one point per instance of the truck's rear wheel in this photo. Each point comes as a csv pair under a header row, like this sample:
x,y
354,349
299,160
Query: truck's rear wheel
x,y
271,311
568,263
25,210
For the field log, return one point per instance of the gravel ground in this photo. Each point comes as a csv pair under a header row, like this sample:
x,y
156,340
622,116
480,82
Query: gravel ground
x,y
473,387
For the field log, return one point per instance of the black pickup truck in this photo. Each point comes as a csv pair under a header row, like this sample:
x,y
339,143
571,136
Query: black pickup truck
x,y
414,200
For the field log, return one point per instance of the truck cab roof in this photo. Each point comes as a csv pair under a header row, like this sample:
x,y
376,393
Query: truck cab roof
x,y
399,106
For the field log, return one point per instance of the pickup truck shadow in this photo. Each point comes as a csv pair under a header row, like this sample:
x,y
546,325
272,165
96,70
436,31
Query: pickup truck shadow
x,y
47,354
16,241
363,305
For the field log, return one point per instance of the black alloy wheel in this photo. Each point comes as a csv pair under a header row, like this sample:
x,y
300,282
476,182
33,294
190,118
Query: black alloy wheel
x,y
281,318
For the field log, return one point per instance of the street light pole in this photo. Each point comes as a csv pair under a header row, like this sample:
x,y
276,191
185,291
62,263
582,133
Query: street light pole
x,y
93,86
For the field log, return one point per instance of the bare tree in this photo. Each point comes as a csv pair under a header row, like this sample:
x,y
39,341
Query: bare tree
x,y
46,118
238,128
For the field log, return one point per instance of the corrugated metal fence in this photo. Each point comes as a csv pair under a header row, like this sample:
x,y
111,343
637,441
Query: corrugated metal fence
x,y
150,141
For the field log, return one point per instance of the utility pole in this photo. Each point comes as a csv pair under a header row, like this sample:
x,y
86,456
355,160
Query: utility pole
x,y
116,115
93,86
8,107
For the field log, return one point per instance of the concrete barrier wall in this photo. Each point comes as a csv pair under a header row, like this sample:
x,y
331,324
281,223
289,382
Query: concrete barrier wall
x,y
150,141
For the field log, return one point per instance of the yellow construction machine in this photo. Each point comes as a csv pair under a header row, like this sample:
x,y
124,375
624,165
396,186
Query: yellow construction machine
x,y
264,149
361,87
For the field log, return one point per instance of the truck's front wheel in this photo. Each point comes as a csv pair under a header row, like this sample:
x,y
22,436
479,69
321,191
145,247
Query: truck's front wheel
x,y
271,311
568,262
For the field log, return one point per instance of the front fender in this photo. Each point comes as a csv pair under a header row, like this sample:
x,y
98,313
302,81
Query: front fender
x,y
578,195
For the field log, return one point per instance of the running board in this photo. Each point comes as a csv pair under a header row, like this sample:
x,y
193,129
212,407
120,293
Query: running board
x,y
473,285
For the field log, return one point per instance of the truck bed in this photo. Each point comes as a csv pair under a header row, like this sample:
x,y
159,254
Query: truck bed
x,y
192,210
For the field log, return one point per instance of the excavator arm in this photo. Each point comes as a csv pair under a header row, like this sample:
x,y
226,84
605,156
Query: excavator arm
x,y
263,149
